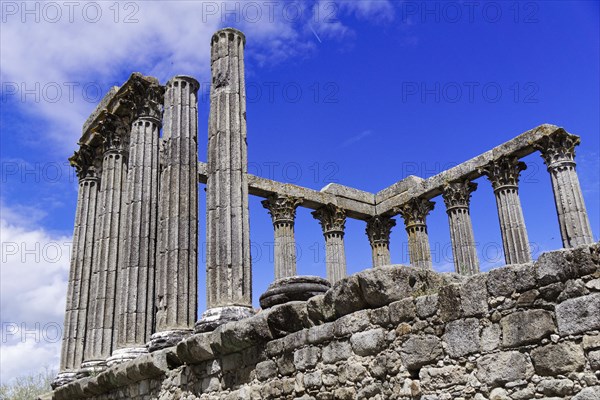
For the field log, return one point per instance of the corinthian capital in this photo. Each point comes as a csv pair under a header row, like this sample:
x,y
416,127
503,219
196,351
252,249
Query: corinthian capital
x,y
282,208
379,229
504,172
415,211
86,162
332,218
458,194
113,133
558,148
143,99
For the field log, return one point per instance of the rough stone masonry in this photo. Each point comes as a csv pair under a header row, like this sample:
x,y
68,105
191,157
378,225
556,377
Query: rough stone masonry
x,y
528,330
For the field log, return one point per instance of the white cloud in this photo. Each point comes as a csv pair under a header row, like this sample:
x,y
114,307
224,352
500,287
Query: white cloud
x,y
33,287
62,54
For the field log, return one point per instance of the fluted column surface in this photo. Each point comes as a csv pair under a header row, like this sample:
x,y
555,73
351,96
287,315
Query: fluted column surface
x,y
414,214
558,152
504,176
333,223
75,326
177,271
457,197
228,265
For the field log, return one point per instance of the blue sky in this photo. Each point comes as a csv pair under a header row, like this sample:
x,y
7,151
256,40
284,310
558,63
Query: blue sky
x,y
360,93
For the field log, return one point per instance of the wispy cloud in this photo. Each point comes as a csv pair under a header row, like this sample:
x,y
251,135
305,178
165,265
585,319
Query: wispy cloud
x,y
33,287
54,67
356,138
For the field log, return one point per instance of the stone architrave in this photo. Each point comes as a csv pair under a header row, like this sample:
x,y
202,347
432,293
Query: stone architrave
x,y
457,196
558,152
414,213
135,318
104,279
87,162
333,223
228,263
177,268
283,213
378,231
504,176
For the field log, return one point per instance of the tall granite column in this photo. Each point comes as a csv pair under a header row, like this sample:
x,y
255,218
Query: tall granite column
x,y
103,306
283,214
457,196
504,176
135,318
558,152
177,269
333,222
414,214
228,264
87,164
378,231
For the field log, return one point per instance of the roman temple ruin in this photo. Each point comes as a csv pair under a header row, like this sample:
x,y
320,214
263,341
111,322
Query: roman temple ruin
x,y
404,332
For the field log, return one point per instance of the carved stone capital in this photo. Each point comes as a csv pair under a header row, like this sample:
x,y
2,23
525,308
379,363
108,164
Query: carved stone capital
x,y
87,162
143,100
504,172
415,212
458,194
282,208
113,132
332,219
558,149
379,229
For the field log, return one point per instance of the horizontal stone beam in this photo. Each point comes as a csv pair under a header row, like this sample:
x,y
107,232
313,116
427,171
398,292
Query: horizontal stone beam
x,y
357,203
400,193
114,102
362,205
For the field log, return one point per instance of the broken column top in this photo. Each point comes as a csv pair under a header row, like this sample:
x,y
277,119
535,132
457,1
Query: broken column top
x,y
228,31
186,78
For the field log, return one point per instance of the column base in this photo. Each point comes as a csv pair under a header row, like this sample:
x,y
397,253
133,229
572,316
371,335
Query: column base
x,y
92,367
164,339
293,288
63,378
121,355
214,317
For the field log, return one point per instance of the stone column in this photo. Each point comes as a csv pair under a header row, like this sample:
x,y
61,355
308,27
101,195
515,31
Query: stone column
x,y
228,264
457,196
558,152
103,307
333,222
135,319
414,214
177,269
378,231
283,213
504,176
87,164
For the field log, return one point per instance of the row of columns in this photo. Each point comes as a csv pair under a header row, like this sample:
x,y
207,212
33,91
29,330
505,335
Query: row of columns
x,y
558,153
133,278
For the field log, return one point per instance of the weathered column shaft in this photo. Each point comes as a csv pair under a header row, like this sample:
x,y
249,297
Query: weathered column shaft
x,y
76,314
228,264
177,271
333,223
558,152
414,214
136,314
103,305
504,176
378,231
283,214
457,196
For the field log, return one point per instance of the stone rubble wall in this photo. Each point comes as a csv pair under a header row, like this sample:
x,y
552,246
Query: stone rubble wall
x,y
528,331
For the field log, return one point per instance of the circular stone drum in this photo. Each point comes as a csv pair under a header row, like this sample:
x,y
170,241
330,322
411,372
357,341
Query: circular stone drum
x,y
293,288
